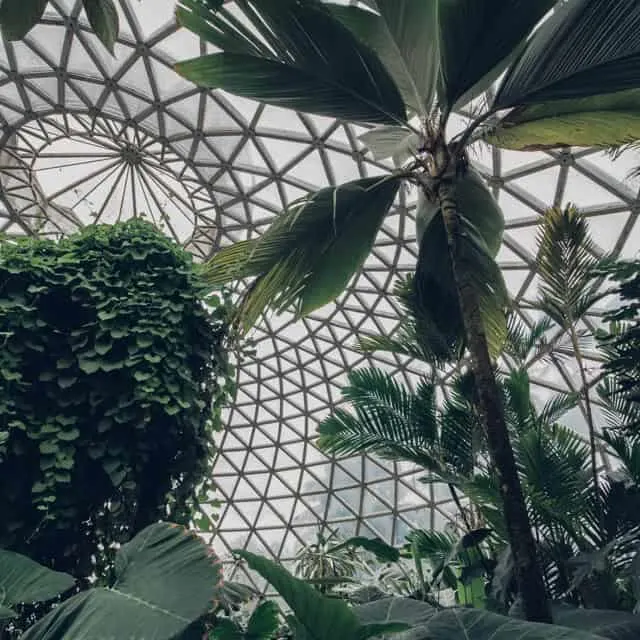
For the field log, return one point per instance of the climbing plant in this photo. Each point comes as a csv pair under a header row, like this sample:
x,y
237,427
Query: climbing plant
x,y
113,373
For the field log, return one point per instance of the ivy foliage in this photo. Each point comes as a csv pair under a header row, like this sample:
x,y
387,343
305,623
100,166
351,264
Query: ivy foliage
x,y
113,372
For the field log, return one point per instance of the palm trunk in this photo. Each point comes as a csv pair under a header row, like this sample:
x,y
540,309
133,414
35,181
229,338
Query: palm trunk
x,y
528,575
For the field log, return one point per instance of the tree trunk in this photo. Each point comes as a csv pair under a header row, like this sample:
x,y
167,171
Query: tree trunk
x,y
528,575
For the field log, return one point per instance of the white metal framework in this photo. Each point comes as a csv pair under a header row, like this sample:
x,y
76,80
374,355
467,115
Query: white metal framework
x,y
89,138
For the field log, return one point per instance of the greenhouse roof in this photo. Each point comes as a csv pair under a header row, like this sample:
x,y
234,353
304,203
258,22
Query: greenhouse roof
x,y
87,137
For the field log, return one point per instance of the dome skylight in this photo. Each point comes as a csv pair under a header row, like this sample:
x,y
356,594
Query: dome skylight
x,y
89,138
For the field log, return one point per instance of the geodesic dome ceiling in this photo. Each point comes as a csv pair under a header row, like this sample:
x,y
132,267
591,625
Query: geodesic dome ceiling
x,y
89,138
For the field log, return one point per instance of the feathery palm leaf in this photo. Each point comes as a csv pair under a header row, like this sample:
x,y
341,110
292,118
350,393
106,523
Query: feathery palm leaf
x,y
387,420
524,340
566,264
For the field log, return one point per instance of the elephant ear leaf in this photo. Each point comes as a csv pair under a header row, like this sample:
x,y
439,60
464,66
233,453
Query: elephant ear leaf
x,y
23,581
166,579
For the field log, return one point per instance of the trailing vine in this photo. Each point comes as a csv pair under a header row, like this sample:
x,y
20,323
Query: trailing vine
x,y
113,375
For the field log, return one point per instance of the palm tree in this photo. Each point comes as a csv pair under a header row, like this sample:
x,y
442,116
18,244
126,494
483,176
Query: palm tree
x,y
406,65
567,264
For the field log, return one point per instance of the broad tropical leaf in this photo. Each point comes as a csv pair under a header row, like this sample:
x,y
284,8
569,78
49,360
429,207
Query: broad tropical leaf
x,y
576,81
398,143
476,36
473,624
311,251
263,622
295,54
482,227
18,17
615,625
318,617
166,578
23,581
483,625
383,552
598,121
413,612
404,35
103,18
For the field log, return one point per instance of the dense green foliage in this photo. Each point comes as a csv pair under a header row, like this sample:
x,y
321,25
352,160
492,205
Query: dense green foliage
x,y
112,376
621,345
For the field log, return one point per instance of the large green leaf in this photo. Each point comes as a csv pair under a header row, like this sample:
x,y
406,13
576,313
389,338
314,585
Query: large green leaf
x,y
476,36
404,35
103,18
605,121
24,581
318,617
413,612
311,251
428,623
587,49
615,625
482,225
18,17
383,552
166,578
295,55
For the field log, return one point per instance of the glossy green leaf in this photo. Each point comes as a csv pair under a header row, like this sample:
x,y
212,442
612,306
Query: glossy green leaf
x,y
603,121
24,581
311,251
614,625
434,288
264,621
476,36
295,55
573,56
403,33
166,578
18,17
383,552
103,18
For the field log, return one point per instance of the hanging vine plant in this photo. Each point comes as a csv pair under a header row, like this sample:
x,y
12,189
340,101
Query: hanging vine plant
x,y
113,373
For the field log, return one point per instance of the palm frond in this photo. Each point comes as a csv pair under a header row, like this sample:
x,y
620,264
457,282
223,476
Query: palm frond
x,y
523,339
556,407
627,450
618,410
387,419
566,263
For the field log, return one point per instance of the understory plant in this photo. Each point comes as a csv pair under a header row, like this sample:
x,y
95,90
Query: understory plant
x,y
314,616
406,66
586,529
166,581
113,373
